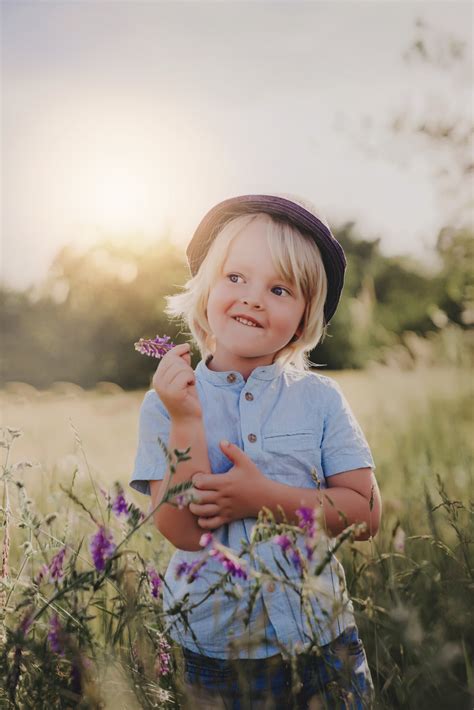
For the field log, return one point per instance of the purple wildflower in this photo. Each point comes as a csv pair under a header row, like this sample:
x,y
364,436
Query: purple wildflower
x,y
181,569
283,540
157,347
55,635
25,623
190,569
307,519
297,559
120,505
54,571
102,547
155,582
230,563
309,547
43,571
309,525
163,659
56,565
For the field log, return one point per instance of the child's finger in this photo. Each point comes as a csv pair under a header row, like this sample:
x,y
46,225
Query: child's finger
x,y
176,367
206,511
178,354
211,523
181,380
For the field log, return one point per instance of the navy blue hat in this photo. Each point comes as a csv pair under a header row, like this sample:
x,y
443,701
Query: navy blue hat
x,y
295,212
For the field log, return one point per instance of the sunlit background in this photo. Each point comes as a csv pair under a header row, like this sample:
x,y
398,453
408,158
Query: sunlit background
x,y
131,119
122,124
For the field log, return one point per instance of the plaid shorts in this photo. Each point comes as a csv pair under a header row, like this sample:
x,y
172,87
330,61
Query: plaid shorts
x,y
336,677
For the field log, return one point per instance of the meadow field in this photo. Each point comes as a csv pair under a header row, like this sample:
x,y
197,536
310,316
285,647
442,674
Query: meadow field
x,y
76,633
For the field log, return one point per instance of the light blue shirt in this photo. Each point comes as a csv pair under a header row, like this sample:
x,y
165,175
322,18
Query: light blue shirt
x,y
288,422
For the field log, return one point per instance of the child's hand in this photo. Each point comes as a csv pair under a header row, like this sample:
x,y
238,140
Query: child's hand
x,y
237,494
175,383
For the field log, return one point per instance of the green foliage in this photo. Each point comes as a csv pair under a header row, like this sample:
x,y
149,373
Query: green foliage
x,y
81,323
412,585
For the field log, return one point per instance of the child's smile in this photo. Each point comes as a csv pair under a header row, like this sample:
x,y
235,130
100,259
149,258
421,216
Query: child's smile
x,y
248,322
253,312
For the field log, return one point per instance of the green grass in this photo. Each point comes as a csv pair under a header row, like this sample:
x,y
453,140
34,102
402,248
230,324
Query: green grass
x,y
412,586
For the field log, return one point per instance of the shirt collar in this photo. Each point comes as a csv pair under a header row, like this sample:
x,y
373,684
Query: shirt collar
x,y
232,377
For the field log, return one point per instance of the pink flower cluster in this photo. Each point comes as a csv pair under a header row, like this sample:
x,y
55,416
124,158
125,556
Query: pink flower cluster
x,y
163,659
309,525
229,561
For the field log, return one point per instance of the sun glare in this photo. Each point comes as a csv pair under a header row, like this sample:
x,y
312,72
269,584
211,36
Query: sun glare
x,y
120,202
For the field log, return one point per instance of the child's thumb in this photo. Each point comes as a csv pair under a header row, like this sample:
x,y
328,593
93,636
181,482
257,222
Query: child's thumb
x,y
230,450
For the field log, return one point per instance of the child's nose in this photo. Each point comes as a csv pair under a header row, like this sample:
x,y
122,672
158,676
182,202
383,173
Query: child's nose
x,y
251,301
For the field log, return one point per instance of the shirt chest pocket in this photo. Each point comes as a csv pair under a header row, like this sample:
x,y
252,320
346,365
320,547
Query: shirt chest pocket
x,y
297,441
290,456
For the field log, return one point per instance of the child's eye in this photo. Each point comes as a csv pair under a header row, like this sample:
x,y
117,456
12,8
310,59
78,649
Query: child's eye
x,y
235,277
280,288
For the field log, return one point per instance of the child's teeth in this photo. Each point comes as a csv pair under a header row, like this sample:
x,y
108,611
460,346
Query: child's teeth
x,y
246,322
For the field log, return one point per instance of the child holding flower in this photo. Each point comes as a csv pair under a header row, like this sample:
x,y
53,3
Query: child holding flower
x,y
263,431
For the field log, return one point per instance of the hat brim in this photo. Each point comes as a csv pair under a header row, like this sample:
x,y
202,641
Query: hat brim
x,y
296,214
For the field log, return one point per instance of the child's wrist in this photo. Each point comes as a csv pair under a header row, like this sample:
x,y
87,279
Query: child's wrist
x,y
261,495
186,418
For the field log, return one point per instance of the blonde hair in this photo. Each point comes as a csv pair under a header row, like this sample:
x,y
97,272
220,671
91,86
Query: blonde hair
x,y
296,257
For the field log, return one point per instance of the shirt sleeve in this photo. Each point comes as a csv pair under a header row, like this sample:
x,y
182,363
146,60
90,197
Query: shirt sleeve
x,y
150,460
344,446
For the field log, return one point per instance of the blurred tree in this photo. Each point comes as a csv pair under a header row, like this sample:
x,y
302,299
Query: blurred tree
x,y
447,126
81,323
456,249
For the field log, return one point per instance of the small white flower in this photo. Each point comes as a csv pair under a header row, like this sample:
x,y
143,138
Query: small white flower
x,y
399,540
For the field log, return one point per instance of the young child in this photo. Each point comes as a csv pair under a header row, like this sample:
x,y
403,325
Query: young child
x,y
267,275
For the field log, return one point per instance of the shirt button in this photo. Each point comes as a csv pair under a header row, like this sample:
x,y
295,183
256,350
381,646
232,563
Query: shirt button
x,y
231,377
248,396
252,438
271,586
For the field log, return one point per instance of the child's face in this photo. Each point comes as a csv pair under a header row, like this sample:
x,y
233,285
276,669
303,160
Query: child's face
x,y
249,286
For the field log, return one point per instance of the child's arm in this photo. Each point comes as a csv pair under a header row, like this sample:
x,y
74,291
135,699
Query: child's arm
x,y
351,497
244,490
174,382
180,527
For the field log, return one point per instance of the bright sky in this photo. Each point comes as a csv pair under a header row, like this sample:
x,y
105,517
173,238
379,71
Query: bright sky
x,y
137,117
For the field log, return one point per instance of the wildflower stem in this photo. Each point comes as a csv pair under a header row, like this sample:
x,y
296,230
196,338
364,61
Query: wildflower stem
x,y
94,488
76,500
